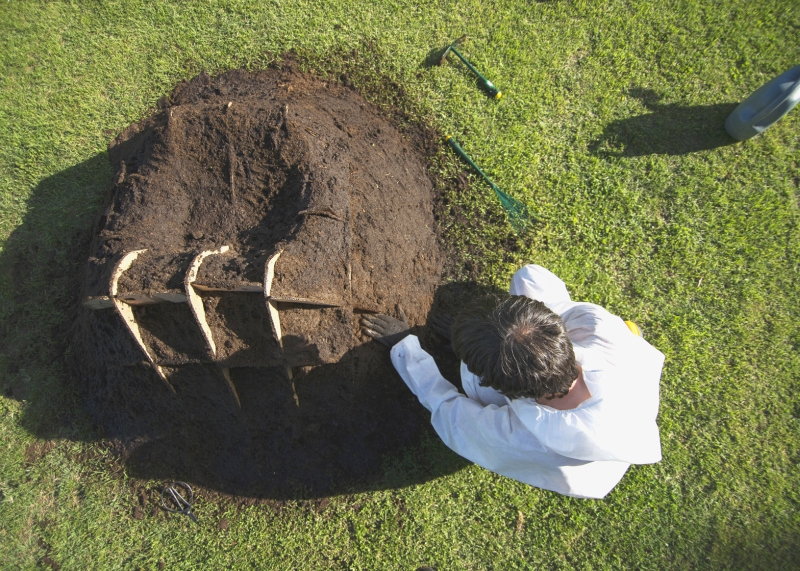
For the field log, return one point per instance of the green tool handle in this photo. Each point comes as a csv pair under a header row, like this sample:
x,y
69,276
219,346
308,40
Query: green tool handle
x,y
488,85
457,148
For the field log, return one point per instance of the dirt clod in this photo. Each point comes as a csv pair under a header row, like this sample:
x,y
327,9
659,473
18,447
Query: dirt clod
x,y
284,214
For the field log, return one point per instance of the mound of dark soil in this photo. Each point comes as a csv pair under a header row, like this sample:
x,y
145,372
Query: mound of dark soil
x,y
253,219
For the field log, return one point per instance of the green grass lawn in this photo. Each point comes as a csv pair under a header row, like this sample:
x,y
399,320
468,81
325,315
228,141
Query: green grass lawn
x,y
610,128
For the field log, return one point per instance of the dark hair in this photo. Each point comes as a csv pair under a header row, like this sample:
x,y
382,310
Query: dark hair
x,y
516,345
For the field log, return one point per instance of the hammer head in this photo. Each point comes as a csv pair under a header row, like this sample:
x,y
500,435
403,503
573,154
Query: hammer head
x,y
444,54
450,47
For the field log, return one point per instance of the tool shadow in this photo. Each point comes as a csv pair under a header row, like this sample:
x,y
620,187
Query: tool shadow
x,y
669,129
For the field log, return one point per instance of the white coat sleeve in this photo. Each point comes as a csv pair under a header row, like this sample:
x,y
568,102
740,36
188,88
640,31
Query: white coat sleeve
x,y
490,436
543,285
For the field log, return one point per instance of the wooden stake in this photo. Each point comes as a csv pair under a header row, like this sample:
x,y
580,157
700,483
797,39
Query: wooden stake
x,y
98,302
269,272
106,302
195,301
240,288
172,297
302,301
125,311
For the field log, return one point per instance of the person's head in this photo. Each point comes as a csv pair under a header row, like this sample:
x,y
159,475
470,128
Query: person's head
x,y
517,346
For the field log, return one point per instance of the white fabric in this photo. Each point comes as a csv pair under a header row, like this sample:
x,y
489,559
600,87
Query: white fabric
x,y
583,452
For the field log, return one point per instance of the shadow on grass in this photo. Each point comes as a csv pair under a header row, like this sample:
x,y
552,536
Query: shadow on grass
x,y
755,548
434,57
164,436
667,130
39,264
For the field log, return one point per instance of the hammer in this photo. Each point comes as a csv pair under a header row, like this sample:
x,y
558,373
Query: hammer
x,y
485,83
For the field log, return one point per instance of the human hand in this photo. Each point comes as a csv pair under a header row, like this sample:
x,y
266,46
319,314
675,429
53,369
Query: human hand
x,y
443,324
385,329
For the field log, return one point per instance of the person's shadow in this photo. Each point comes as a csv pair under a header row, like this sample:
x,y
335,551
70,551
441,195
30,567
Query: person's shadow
x,y
346,427
666,130
273,444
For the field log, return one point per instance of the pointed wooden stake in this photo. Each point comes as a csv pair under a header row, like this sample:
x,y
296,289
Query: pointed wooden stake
x,y
195,301
125,311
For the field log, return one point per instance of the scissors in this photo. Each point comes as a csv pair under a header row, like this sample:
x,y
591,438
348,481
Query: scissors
x,y
173,500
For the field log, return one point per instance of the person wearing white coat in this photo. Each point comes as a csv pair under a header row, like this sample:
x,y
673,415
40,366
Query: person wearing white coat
x,y
582,451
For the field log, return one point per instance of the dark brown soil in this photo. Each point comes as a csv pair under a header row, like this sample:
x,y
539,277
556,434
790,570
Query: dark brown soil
x,y
169,331
263,163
